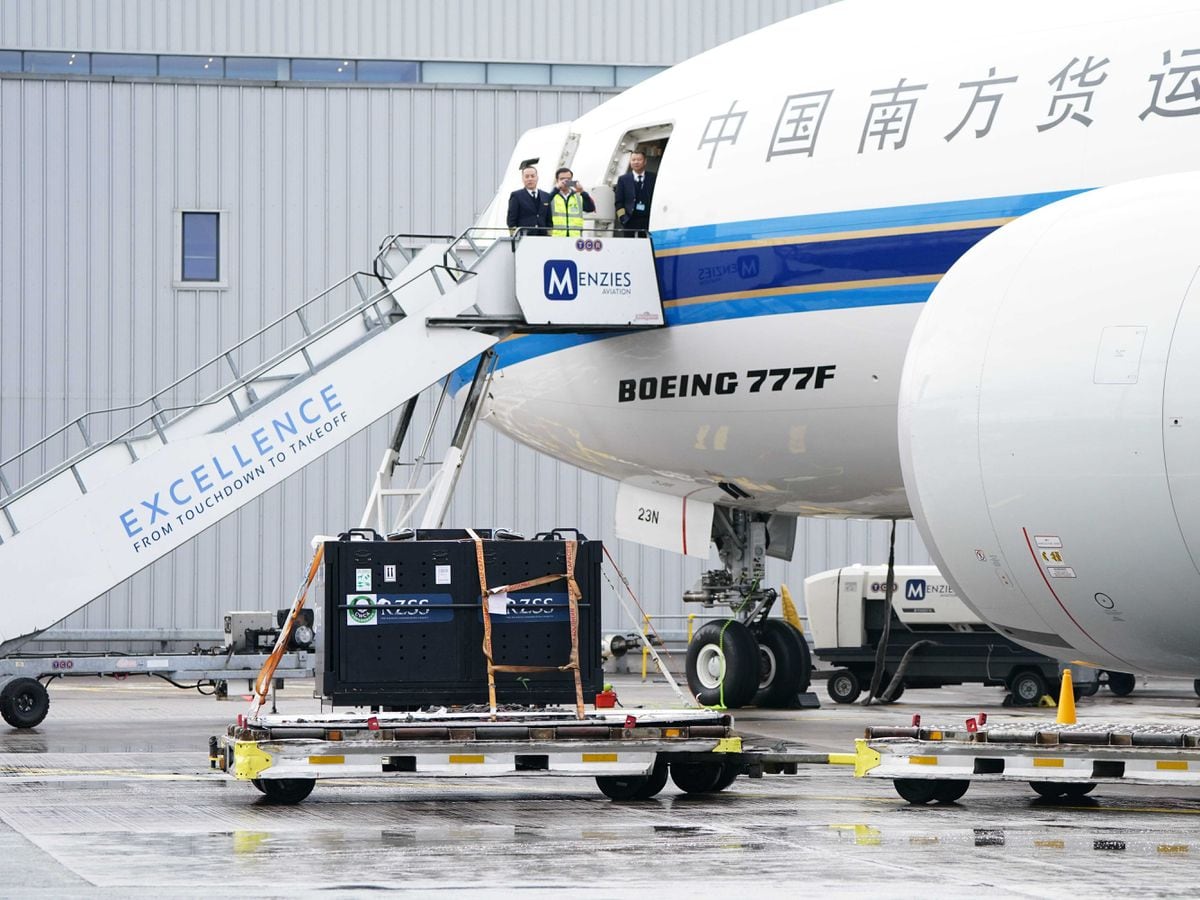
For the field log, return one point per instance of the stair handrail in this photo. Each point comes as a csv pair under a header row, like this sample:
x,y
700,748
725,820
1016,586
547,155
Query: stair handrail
x,y
241,380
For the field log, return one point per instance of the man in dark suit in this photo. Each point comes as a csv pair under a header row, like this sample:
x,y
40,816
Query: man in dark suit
x,y
529,208
635,191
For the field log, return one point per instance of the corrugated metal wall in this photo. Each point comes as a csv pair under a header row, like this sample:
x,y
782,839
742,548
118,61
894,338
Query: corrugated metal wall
x,y
569,31
91,174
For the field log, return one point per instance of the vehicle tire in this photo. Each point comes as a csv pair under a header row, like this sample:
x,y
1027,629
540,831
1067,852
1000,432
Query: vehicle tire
x,y
918,791
1087,688
843,686
722,664
258,783
634,787
697,777
1027,687
1050,790
950,790
287,790
1196,686
728,776
780,659
24,702
1121,683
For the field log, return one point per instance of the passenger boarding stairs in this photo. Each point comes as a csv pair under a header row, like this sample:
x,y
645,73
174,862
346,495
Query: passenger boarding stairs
x,y
90,504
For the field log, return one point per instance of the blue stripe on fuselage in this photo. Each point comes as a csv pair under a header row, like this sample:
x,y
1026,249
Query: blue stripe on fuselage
x,y
710,270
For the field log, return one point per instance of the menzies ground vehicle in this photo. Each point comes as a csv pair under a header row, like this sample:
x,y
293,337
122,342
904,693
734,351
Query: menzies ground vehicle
x,y
933,639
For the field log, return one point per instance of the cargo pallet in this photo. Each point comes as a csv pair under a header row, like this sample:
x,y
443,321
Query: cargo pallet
x,y
1059,761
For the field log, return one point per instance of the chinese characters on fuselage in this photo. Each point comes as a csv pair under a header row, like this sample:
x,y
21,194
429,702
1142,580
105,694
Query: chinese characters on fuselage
x,y
1173,91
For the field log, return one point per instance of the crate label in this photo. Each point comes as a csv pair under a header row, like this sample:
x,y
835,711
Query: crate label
x,y
441,574
532,606
414,609
361,609
498,603
389,573
362,579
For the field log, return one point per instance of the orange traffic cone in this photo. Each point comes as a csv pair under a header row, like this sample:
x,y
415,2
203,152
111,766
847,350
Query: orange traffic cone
x,y
1066,700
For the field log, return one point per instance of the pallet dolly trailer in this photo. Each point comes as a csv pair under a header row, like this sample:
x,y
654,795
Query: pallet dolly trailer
x,y
1059,761
631,754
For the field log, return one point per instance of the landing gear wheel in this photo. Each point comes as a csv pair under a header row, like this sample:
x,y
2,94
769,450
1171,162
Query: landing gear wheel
x,y
1121,683
918,791
634,787
24,702
697,777
843,686
950,790
781,663
1027,687
287,790
723,664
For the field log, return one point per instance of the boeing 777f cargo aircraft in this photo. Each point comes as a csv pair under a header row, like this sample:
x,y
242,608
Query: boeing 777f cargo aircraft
x,y
932,259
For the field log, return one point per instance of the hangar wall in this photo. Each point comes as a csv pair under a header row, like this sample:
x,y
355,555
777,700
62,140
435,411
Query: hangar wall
x,y
92,174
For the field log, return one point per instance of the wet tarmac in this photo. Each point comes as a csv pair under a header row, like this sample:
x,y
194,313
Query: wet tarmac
x,y
112,796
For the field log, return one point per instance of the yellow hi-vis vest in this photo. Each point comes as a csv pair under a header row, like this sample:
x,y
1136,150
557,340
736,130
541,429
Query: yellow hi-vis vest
x,y
566,215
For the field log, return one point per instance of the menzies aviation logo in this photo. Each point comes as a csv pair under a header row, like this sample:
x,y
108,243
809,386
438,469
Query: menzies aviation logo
x,y
560,279
915,589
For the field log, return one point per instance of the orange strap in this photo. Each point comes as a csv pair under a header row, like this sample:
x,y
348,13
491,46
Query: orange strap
x,y
574,594
262,683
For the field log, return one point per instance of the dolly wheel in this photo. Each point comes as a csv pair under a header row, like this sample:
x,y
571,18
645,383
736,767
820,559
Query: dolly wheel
x,y
287,790
950,790
24,702
698,777
634,787
918,791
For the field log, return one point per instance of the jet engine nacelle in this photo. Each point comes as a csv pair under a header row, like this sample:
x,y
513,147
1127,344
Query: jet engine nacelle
x,y
1050,427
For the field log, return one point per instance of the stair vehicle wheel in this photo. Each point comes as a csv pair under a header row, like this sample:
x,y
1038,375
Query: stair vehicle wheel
x,y
722,664
634,787
917,791
843,686
287,790
780,662
950,790
1121,683
1026,687
697,777
24,702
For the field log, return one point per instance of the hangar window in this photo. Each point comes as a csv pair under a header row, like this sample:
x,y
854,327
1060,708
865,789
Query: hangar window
x,y
322,70
124,64
63,63
10,60
191,66
201,246
518,73
454,72
387,70
586,76
628,76
258,68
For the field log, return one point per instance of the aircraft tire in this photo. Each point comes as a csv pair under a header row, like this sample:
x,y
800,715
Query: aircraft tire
x,y
723,664
782,663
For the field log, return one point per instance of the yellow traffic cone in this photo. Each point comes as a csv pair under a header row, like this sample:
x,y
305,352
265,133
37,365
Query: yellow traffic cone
x,y
1066,700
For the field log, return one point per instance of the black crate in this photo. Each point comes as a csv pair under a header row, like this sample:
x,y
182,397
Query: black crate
x,y
420,642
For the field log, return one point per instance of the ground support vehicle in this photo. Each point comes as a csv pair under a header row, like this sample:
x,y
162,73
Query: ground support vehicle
x,y
630,754
1058,761
932,638
25,701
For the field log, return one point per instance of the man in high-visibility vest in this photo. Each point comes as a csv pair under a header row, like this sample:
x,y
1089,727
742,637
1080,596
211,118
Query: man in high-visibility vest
x,y
568,203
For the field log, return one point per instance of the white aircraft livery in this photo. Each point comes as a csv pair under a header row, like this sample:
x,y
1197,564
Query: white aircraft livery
x,y
928,259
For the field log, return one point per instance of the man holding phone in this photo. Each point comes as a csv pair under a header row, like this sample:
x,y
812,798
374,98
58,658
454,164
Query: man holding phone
x,y
568,203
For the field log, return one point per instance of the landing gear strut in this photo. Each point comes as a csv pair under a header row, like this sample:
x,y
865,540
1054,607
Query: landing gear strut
x,y
746,657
